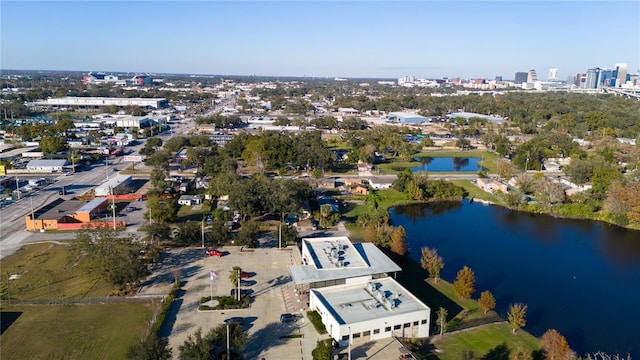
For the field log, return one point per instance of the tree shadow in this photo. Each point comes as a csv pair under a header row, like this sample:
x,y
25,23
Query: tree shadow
x,y
170,319
7,318
270,335
500,352
412,277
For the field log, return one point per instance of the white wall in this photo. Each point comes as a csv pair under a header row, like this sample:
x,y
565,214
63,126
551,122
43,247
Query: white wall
x,y
337,331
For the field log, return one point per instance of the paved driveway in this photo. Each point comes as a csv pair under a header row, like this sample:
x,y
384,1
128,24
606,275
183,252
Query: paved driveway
x,y
270,285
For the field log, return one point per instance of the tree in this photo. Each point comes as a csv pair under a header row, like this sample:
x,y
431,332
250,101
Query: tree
x,y
432,262
151,348
442,320
517,316
234,275
189,233
520,354
160,210
52,144
505,168
465,282
199,347
323,350
196,347
487,301
248,234
109,254
157,231
555,346
398,241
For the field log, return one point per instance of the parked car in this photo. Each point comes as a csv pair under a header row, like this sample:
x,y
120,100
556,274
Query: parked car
x,y
286,318
246,275
214,253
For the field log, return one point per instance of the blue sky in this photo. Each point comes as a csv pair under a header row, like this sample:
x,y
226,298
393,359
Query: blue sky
x,y
321,38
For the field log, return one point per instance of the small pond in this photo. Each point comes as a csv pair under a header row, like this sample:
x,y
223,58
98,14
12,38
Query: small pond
x,y
448,164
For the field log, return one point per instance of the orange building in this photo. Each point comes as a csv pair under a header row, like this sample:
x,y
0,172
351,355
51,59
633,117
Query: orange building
x,y
61,214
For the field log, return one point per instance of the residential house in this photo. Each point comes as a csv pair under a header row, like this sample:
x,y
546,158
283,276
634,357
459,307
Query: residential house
x,y
190,200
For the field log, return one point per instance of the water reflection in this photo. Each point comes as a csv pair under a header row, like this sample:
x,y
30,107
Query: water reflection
x,y
420,211
448,164
460,162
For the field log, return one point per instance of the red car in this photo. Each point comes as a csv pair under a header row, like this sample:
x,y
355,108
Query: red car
x,y
246,275
214,253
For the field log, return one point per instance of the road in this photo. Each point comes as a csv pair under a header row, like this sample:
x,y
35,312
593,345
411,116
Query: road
x,y
12,223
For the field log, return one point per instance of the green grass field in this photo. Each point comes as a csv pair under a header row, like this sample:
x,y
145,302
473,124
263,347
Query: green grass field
x,y
475,192
45,272
494,341
72,331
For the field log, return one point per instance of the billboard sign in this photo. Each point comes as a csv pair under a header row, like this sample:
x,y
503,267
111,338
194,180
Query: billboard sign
x,y
137,158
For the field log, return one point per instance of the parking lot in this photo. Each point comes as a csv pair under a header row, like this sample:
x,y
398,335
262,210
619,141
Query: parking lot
x,y
269,284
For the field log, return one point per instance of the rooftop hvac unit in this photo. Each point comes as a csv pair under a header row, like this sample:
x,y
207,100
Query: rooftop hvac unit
x,y
340,263
372,286
334,252
390,303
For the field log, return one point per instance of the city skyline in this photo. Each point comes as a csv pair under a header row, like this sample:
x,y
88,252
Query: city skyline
x,y
321,39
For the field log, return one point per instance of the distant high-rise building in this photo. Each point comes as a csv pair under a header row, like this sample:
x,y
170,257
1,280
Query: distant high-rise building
x,y
553,74
621,69
607,78
571,80
592,78
498,78
531,76
521,77
580,77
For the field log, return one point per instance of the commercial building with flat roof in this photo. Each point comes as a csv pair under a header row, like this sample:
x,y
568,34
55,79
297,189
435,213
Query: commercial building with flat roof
x,y
336,260
407,118
372,310
105,101
349,286
46,165
65,214
469,115
115,185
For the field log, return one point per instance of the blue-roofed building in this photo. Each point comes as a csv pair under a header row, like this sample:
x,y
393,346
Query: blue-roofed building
x,y
407,118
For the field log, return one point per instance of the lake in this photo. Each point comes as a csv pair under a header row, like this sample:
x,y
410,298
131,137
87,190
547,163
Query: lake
x,y
581,278
448,164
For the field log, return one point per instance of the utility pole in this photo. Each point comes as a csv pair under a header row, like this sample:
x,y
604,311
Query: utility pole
x,y
18,187
280,232
202,230
33,215
113,208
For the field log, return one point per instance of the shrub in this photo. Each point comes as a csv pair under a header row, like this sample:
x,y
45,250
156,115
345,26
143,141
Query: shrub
x,y
226,302
316,320
155,328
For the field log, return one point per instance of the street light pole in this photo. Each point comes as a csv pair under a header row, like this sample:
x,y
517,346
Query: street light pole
x,y
33,215
349,357
113,208
202,230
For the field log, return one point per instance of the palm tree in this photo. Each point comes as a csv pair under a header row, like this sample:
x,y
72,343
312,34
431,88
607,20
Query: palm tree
x,y
234,275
